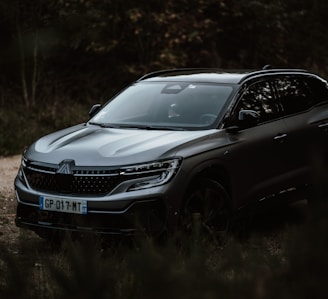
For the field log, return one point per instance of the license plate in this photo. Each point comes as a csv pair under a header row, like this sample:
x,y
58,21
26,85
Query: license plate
x,y
75,206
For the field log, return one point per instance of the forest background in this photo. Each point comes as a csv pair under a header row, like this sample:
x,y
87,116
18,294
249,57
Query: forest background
x,y
58,57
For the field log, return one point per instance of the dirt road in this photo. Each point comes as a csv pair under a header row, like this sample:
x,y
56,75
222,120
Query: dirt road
x,y
8,170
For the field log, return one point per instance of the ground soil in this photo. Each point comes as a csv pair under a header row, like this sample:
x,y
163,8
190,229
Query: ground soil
x,y
9,233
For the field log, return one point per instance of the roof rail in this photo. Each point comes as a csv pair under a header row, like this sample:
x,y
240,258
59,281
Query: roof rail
x,y
272,71
172,71
267,67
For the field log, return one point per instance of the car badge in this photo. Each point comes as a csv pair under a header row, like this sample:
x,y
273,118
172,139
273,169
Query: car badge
x,y
66,167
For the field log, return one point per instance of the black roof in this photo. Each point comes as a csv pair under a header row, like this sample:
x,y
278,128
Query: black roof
x,y
213,75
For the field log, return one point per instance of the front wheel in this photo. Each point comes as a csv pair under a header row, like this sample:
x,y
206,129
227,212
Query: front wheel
x,y
207,205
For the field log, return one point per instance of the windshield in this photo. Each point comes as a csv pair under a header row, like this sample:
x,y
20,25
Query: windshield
x,y
163,105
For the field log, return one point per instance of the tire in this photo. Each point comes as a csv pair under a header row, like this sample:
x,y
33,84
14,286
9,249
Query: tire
x,y
207,209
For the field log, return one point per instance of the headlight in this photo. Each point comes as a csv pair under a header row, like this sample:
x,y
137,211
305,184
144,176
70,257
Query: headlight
x,y
21,168
151,174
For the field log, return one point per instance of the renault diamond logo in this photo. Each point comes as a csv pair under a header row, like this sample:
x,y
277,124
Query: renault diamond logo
x,y
65,167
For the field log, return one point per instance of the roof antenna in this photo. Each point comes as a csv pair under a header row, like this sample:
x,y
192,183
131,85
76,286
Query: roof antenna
x,y
267,67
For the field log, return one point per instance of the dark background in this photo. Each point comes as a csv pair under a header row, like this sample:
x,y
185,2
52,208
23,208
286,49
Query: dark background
x,y
58,57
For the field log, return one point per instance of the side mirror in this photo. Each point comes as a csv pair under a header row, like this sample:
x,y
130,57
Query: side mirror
x,y
94,109
248,118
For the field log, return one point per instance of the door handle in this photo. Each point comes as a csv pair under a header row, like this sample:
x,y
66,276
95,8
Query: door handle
x,y
280,137
323,125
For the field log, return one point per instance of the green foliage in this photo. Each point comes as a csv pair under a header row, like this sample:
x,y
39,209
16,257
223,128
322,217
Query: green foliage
x,y
81,50
307,256
20,127
179,268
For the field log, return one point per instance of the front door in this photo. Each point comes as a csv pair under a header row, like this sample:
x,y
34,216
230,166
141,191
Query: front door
x,y
257,152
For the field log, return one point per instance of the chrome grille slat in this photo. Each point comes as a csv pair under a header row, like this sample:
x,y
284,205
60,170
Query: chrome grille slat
x,y
42,170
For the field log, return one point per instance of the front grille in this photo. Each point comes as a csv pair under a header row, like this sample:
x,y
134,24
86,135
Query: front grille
x,y
81,182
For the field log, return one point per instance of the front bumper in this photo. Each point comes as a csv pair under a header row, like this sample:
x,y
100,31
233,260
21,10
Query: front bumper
x,y
148,216
125,216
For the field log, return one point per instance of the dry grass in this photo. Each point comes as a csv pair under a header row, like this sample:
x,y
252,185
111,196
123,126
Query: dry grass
x,y
271,259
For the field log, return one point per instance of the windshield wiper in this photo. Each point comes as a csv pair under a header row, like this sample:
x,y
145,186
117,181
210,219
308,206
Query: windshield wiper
x,y
150,127
135,126
103,125
164,128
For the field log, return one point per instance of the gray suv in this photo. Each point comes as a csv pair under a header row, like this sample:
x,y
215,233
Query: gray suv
x,y
175,144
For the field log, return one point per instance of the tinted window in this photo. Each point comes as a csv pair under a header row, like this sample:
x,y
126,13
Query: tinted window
x,y
293,94
318,89
259,97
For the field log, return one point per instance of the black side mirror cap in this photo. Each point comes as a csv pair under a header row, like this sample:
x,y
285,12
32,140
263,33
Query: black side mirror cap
x,y
94,109
232,129
248,118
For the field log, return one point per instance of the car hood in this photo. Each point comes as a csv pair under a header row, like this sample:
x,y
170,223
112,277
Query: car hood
x,y
94,146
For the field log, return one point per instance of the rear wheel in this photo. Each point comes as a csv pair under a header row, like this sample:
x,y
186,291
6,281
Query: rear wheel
x,y
207,209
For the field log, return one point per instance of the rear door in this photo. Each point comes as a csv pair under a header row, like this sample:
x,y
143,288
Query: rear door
x,y
304,101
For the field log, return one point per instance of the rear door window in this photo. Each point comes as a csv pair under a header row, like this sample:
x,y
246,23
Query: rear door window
x,y
294,95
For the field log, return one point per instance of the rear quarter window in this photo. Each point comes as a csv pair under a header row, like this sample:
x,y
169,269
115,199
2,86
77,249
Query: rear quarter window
x,y
294,95
318,89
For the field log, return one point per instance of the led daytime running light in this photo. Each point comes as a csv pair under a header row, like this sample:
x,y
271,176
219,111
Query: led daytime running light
x,y
163,172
